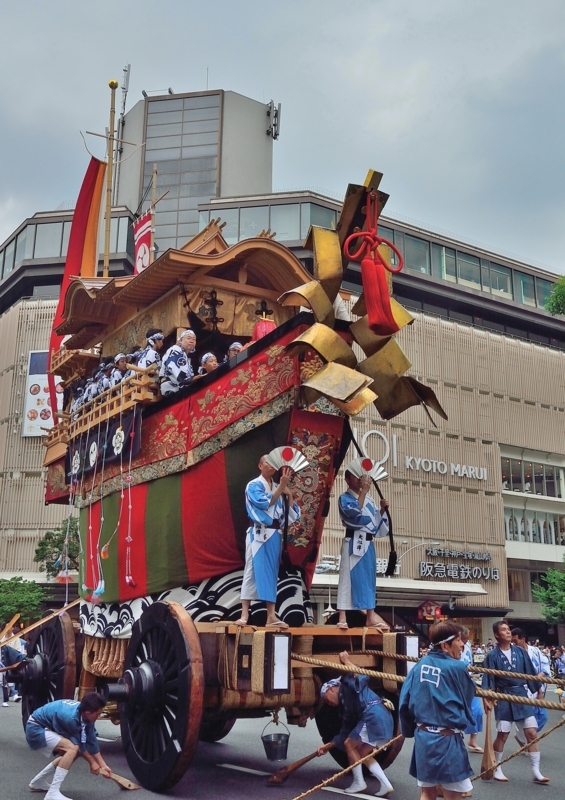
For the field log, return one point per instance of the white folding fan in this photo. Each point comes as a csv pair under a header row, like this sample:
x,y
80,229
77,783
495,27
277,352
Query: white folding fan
x,y
366,466
287,456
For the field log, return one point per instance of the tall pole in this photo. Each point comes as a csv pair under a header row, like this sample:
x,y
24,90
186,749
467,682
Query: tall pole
x,y
113,84
153,200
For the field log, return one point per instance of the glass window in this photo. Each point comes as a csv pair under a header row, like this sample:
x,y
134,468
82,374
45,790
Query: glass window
x,y
199,150
313,214
528,476
560,530
48,240
166,218
547,526
9,257
202,176
516,475
162,141
525,291
171,129
203,219
66,235
501,280
200,126
469,268
163,155
252,221
550,482
122,235
285,222
538,479
524,532
485,275
30,241
204,101
173,104
518,585
197,164
197,114
205,190
536,528
20,248
230,216
417,254
443,263
506,478
512,527
543,291
189,139
188,216
163,118
1,263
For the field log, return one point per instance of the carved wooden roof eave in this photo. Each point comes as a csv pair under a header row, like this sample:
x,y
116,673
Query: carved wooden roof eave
x,y
270,260
88,301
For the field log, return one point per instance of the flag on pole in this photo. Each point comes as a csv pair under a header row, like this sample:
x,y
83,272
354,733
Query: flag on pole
x,y
142,242
82,252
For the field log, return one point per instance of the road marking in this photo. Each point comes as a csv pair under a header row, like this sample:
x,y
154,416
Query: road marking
x,y
341,791
246,769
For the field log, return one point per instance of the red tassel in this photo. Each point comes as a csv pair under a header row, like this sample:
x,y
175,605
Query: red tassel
x,y
377,299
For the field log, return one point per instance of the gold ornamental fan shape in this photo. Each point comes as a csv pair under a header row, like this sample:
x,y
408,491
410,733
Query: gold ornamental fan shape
x,y
342,379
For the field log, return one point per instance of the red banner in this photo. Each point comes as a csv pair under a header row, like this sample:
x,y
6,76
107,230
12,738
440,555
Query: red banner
x,y
142,242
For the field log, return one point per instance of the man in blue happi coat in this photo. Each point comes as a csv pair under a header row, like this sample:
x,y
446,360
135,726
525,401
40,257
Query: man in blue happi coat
x,y
263,542
510,658
364,522
366,723
9,657
67,727
435,709
542,668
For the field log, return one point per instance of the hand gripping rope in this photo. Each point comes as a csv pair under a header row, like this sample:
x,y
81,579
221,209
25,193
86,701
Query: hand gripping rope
x,y
373,266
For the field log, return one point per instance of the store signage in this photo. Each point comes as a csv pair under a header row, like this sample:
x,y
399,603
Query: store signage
x,y
461,572
430,465
465,554
37,418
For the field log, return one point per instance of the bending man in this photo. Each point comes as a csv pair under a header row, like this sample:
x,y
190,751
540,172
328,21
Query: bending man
x,y
263,543
366,723
68,727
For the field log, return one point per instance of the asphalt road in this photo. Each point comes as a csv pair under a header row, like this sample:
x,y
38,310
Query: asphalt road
x,y
207,779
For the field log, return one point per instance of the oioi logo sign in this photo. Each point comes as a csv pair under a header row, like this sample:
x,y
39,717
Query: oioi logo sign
x,y
427,465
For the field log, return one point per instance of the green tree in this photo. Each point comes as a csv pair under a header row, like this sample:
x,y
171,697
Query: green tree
x,y
20,597
552,596
50,548
555,303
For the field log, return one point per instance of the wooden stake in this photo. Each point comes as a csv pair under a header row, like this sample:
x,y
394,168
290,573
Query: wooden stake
x,y
8,627
40,622
113,84
124,783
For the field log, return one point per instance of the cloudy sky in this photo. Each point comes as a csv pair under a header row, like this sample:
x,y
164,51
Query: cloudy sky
x,y
458,102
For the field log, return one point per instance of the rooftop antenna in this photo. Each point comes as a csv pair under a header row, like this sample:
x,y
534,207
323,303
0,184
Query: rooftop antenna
x,y
121,120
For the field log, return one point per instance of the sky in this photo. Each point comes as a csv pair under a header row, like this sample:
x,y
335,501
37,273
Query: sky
x,y
458,102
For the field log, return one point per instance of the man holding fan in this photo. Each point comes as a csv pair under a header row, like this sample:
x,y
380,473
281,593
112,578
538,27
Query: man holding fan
x,y
364,522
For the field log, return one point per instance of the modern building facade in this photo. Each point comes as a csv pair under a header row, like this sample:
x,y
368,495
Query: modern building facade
x,y
204,145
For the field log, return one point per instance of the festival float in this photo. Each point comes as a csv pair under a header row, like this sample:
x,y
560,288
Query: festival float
x,y
158,482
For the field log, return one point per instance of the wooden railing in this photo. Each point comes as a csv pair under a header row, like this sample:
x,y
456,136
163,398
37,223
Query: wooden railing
x,y
106,406
73,364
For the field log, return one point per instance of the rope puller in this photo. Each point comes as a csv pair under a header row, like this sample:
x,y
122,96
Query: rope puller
x,y
374,268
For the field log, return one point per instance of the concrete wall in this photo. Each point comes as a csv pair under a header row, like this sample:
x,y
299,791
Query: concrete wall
x,y
131,168
246,156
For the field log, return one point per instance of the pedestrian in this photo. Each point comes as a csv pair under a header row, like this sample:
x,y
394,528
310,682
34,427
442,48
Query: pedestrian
x,y
476,705
263,542
367,723
67,727
9,657
435,708
542,668
364,521
510,658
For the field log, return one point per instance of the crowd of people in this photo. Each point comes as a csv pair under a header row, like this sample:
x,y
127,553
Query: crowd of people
x,y
174,370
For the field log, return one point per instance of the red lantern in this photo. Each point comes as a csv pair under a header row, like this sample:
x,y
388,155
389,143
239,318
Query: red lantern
x,y
437,612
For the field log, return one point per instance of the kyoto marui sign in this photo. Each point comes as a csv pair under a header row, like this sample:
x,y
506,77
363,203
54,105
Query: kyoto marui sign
x,y
427,465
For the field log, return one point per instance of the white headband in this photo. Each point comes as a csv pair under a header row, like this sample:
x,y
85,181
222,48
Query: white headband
x,y
186,333
444,641
328,685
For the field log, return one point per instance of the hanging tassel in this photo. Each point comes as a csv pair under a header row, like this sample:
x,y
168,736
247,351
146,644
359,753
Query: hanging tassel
x,y
377,298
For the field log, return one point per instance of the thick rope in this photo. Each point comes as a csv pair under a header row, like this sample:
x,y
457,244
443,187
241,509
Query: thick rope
x,y
476,670
510,698
337,775
521,750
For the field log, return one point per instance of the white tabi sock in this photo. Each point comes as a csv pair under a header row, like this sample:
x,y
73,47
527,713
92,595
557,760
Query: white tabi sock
x,y
375,769
54,792
358,784
535,762
498,773
42,780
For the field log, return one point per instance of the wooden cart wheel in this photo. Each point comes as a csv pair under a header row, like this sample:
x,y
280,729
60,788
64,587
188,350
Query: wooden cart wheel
x,y
164,678
50,670
214,729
